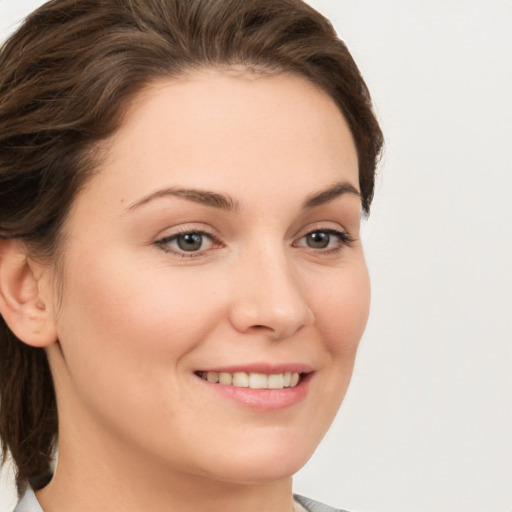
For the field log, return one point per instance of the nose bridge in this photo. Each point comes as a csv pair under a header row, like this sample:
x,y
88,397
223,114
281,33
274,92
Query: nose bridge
x,y
270,297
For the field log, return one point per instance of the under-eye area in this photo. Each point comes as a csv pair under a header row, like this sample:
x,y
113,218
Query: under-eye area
x,y
253,380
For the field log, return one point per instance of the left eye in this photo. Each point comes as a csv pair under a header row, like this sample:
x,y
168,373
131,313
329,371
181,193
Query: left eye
x,y
190,242
324,239
318,239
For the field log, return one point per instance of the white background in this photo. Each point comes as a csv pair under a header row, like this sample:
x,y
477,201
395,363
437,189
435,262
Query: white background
x,y
427,423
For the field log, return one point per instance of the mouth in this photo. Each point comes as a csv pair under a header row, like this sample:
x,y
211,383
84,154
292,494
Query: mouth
x,y
253,380
259,386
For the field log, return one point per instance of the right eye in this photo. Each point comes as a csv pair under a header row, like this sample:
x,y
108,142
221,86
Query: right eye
x,y
187,244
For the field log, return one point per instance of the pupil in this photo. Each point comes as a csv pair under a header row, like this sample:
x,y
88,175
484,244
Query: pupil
x,y
318,240
190,242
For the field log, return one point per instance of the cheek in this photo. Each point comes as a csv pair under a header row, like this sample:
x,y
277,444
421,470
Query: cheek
x,y
133,321
133,283
126,337
342,309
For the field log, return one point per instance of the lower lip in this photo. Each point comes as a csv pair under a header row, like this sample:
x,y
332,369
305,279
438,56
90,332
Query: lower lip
x,y
263,399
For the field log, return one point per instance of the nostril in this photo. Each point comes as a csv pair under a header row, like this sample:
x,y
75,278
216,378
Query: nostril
x,y
261,327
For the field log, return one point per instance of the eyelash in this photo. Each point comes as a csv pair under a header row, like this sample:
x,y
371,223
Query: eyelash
x,y
344,239
163,243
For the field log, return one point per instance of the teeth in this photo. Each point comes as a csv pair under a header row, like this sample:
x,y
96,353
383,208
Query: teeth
x,y
240,380
225,378
258,381
253,380
276,381
212,377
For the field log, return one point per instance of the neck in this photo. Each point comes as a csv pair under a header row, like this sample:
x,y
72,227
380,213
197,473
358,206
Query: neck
x,y
95,475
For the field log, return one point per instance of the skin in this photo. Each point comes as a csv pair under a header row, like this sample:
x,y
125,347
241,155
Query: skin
x,y
138,429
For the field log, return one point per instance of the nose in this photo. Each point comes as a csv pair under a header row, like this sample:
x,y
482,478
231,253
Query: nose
x,y
269,298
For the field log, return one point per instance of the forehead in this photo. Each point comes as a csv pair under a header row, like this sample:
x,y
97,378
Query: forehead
x,y
217,130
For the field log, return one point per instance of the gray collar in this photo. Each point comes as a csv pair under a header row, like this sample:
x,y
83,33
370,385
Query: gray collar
x,y
29,503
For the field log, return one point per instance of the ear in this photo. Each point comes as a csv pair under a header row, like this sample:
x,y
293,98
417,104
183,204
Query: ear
x,y
25,296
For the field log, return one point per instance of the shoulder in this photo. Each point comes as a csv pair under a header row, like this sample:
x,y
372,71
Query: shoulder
x,y
28,503
314,506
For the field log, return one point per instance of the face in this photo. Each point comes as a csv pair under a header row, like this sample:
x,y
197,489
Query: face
x,y
215,288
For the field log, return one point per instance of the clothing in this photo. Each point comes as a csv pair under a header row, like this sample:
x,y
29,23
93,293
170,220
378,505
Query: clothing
x,y
29,503
314,506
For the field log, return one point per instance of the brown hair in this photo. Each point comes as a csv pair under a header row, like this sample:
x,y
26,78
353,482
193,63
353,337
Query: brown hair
x,y
65,79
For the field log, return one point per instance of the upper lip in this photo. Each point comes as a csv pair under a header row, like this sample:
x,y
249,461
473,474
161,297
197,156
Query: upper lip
x,y
265,368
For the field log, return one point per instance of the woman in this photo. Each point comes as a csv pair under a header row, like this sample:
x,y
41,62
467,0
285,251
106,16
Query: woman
x,y
182,283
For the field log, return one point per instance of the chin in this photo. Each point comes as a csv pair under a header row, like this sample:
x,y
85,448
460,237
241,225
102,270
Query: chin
x,y
262,462
259,472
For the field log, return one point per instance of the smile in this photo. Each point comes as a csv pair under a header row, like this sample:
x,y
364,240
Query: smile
x,y
253,380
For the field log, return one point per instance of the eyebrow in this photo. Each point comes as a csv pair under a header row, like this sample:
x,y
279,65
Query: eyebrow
x,y
225,202
205,197
336,190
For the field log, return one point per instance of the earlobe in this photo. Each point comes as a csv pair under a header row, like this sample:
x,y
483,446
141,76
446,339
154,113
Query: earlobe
x,y
24,297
